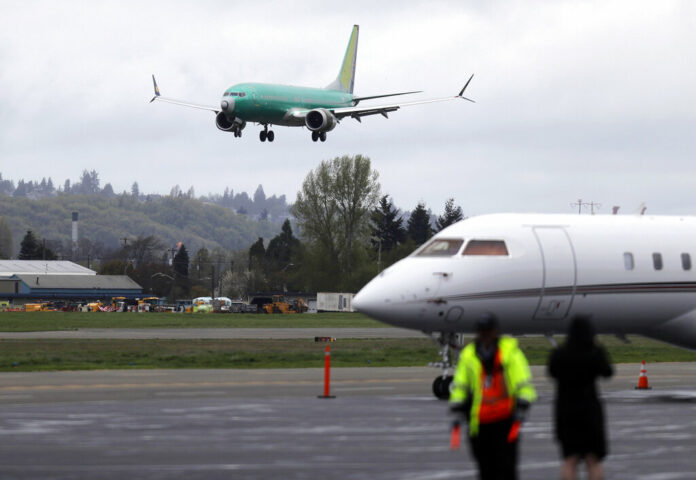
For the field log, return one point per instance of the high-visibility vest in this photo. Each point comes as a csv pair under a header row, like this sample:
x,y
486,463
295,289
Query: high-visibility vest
x,y
496,404
469,379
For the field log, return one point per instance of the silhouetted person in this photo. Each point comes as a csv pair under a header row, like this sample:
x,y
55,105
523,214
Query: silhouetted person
x,y
578,411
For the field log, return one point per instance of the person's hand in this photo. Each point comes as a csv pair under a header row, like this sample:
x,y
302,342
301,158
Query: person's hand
x,y
460,411
521,409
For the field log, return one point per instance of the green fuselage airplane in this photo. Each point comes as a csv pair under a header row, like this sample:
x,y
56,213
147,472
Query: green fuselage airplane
x,y
318,109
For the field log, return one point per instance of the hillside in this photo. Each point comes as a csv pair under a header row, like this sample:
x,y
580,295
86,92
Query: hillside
x,y
104,221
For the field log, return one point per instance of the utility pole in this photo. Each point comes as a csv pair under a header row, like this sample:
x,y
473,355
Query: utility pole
x,y
580,204
212,281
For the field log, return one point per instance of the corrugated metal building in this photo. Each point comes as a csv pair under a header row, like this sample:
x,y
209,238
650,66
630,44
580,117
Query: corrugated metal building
x,y
42,267
23,287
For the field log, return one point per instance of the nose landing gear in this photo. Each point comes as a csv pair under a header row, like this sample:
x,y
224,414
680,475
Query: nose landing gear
x,y
446,341
266,134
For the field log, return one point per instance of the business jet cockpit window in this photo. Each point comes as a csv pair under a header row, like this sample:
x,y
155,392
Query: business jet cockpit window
x,y
486,247
441,247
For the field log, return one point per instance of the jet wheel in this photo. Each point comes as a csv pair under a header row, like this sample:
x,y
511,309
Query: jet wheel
x,y
322,136
270,135
262,135
441,387
315,136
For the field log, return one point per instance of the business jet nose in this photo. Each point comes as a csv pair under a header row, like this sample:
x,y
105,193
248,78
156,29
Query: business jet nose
x,y
370,300
227,105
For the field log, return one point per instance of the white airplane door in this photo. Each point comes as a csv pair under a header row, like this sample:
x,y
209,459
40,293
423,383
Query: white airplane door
x,y
558,259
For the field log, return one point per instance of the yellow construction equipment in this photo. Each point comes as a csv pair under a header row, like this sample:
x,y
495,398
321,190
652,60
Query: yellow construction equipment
x,y
280,305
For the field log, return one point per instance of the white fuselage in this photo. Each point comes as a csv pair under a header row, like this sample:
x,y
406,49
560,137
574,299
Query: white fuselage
x,y
632,274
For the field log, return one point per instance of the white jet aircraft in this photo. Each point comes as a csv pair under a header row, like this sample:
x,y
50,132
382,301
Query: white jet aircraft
x,y
632,274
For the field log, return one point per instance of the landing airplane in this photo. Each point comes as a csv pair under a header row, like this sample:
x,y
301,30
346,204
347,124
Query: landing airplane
x,y
632,274
319,109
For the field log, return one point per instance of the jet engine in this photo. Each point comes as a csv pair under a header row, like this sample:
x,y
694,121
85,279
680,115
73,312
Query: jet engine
x,y
320,120
227,125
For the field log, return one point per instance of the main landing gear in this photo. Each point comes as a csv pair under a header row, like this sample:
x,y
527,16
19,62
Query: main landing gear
x,y
318,136
266,134
446,341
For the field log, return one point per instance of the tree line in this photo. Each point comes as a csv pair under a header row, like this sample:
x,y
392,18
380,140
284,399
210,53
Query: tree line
x,y
347,231
258,206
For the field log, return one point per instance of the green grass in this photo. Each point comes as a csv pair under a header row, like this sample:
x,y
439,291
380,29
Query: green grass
x,y
32,355
43,321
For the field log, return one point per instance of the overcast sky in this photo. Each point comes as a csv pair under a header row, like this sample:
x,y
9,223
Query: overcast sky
x,y
575,99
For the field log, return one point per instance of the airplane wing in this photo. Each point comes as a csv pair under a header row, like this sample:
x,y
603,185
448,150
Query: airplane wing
x,y
179,102
358,112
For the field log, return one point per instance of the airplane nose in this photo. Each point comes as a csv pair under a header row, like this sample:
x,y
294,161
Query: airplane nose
x,y
227,105
367,301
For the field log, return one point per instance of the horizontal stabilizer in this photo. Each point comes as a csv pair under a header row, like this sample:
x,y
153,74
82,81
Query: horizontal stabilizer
x,y
183,103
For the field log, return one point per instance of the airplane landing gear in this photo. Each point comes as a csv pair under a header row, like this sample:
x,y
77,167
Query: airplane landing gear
x,y
266,134
446,341
318,136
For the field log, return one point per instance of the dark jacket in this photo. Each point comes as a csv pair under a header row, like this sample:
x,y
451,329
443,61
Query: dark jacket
x,y
578,411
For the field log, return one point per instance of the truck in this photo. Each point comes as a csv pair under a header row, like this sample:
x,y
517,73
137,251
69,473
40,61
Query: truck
x,y
335,302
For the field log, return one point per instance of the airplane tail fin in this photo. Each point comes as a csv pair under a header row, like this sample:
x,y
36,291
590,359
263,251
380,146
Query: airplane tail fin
x,y
346,75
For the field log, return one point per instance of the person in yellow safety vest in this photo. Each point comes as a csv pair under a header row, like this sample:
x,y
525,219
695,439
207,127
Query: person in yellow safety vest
x,y
492,390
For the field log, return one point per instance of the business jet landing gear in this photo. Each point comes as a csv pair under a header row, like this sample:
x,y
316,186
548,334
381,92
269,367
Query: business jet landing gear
x,y
318,136
266,134
446,341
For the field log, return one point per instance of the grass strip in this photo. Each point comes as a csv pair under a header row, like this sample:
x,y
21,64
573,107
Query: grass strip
x,y
52,354
52,321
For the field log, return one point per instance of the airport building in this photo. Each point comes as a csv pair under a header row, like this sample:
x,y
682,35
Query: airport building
x,y
24,281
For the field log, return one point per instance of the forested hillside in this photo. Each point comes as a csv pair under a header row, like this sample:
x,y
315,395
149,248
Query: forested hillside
x,y
103,222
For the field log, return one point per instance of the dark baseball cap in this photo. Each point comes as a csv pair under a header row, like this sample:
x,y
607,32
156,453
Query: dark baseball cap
x,y
487,322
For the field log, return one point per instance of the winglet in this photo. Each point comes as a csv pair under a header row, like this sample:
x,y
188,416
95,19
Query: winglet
x,y
461,92
157,92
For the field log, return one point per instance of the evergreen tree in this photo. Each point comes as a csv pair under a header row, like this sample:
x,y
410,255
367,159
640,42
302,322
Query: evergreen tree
x,y
66,186
6,186
108,190
135,189
181,262
452,214
30,248
387,226
21,190
419,224
6,245
257,253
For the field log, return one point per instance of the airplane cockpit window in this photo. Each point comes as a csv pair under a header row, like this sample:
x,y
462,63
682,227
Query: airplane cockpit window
x,y
234,94
441,247
486,247
628,261
657,261
686,261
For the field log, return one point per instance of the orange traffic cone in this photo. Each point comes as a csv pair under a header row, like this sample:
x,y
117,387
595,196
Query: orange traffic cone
x,y
643,378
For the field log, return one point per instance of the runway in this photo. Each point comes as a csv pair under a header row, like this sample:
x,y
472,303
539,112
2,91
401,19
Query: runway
x,y
204,333
245,424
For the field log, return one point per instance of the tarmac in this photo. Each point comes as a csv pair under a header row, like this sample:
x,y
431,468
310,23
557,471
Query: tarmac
x,y
246,424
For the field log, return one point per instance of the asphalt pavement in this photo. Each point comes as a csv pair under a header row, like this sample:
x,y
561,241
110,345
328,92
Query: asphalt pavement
x,y
249,424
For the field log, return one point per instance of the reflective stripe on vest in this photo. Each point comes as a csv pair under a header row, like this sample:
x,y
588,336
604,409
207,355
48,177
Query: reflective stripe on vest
x,y
496,404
